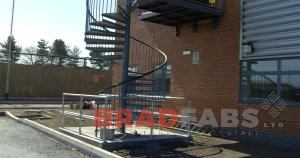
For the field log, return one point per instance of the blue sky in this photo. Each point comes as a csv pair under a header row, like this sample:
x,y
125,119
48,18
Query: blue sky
x,y
48,19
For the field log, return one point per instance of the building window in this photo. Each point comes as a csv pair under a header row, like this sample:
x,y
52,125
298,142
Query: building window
x,y
291,65
260,78
291,87
261,66
259,86
163,78
168,78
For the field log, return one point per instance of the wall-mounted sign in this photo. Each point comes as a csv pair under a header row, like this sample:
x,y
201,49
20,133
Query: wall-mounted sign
x,y
196,58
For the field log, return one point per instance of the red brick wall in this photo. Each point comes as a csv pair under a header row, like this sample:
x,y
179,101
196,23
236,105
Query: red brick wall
x,y
215,82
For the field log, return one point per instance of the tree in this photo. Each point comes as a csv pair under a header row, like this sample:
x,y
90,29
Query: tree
x,y
15,50
99,62
60,50
30,56
42,52
74,54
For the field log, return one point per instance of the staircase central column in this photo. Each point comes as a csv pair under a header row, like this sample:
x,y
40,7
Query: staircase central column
x,y
125,63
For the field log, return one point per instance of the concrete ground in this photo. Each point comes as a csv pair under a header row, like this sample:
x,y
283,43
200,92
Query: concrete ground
x,y
203,147
20,141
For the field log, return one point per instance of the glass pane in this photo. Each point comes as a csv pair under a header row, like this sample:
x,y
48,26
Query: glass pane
x,y
244,66
291,65
169,68
259,66
291,87
259,86
169,71
168,85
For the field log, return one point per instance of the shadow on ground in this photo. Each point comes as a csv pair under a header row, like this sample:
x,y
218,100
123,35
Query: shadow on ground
x,y
189,150
208,147
259,150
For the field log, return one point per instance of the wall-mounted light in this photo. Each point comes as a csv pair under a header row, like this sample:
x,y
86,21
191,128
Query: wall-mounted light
x,y
247,48
187,52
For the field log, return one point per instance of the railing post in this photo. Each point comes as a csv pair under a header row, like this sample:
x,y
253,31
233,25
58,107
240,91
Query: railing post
x,y
80,116
105,112
152,110
62,111
189,126
97,120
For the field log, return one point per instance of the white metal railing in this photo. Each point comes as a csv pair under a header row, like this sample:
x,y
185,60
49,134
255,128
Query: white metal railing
x,y
106,98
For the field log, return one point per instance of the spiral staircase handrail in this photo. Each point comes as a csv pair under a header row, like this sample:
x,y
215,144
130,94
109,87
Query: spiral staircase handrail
x,y
144,74
140,75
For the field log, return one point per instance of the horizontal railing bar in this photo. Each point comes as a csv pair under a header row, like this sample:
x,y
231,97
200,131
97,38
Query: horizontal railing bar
x,y
131,96
90,96
114,113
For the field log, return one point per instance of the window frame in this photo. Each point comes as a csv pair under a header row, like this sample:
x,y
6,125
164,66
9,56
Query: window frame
x,y
167,74
279,74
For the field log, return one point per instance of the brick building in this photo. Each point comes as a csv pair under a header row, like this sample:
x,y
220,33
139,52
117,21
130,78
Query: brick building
x,y
214,80
223,54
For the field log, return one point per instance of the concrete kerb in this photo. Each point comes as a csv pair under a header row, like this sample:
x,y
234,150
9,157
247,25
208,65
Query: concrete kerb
x,y
81,146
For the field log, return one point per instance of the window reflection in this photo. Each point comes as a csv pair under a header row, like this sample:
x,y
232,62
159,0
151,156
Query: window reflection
x,y
291,65
291,87
259,86
260,66
168,78
168,72
260,78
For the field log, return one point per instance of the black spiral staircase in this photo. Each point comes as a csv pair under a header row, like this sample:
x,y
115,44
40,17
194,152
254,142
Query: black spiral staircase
x,y
142,65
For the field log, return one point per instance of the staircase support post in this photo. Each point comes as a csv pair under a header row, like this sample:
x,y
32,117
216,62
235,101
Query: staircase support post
x,y
125,63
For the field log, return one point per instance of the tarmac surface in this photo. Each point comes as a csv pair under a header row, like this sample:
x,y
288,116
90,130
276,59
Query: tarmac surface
x,y
20,141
